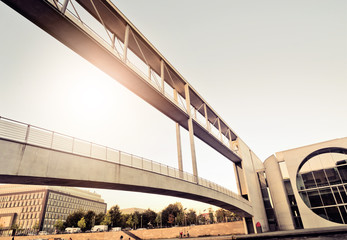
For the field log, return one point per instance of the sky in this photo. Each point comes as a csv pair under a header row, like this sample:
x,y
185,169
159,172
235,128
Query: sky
x,y
275,71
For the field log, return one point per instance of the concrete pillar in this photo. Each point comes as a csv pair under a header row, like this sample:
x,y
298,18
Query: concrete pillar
x,y
178,138
278,194
191,133
126,42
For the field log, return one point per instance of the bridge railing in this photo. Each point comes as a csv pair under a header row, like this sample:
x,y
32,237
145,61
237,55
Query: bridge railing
x,y
36,136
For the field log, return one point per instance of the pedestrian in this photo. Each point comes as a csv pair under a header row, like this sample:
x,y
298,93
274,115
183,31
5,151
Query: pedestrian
x,y
121,237
181,234
187,234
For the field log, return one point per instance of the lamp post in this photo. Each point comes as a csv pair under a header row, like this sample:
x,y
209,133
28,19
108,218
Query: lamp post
x,y
185,217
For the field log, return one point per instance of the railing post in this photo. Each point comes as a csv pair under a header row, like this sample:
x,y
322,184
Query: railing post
x,y
126,43
27,134
63,8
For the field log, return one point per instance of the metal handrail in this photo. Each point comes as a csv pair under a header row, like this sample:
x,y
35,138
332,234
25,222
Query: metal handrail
x,y
28,134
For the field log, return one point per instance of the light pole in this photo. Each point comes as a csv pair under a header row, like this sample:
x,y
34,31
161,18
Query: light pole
x,y
185,217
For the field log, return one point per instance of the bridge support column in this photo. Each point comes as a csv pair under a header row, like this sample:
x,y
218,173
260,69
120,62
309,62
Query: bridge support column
x,y
178,138
191,133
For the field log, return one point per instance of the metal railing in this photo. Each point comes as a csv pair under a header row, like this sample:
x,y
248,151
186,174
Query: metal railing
x,y
36,136
72,14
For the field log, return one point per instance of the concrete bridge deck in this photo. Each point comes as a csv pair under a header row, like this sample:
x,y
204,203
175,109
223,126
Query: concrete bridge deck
x,y
30,155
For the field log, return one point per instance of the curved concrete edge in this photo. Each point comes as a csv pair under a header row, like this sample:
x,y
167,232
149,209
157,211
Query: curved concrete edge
x,y
26,164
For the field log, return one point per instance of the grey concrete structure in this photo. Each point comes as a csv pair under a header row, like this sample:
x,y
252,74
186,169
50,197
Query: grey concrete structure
x,y
315,178
54,167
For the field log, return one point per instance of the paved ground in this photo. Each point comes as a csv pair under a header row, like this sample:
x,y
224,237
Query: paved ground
x,y
282,234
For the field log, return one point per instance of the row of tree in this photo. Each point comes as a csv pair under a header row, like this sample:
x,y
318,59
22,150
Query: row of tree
x,y
172,215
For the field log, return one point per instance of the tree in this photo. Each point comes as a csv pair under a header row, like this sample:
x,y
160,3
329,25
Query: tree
x,y
130,221
36,226
59,225
158,219
73,218
221,215
107,220
191,217
210,214
99,218
148,218
201,219
90,219
115,215
82,224
170,213
136,218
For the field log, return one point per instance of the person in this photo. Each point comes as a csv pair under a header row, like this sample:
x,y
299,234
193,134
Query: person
x,y
187,234
121,237
181,234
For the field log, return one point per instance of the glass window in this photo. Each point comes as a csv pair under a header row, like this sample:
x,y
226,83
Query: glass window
x,y
333,214
343,172
327,196
343,194
333,176
314,198
343,213
308,180
337,195
320,212
320,178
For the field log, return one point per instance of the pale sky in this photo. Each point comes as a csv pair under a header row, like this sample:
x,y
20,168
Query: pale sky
x,y
275,71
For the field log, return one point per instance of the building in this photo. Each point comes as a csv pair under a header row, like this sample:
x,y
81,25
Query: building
x,y
42,206
306,187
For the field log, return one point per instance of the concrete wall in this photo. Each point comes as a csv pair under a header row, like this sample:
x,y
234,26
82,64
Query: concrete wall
x,y
250,164
293,159
278,194
231,228
26,164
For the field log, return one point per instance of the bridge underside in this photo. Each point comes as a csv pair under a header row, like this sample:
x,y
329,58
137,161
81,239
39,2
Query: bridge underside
x,y
46,16
25,164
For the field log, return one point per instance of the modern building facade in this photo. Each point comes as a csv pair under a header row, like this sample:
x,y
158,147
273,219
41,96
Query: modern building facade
x,y
308,186
39,207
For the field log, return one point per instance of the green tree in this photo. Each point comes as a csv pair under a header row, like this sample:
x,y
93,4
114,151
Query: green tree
x,y
73,218
82,224
148,218
115,215
99,218
170,212
90,219
59,225
136,219
107,220
130,221
158,219
221,215
36,226
211,215
191,217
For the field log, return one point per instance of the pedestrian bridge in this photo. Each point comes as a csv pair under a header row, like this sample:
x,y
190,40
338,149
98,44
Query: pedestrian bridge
x,y
32,155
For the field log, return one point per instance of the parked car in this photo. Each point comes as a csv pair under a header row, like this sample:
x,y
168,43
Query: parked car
x,y
43,233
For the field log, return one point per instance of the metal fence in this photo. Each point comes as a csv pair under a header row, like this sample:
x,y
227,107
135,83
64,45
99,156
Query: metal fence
x,y
36,136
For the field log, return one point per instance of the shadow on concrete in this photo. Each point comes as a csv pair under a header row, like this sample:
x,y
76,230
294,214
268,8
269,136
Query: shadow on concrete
x,y
131,235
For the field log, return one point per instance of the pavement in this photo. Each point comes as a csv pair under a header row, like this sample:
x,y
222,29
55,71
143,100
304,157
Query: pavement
x,y
279,234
